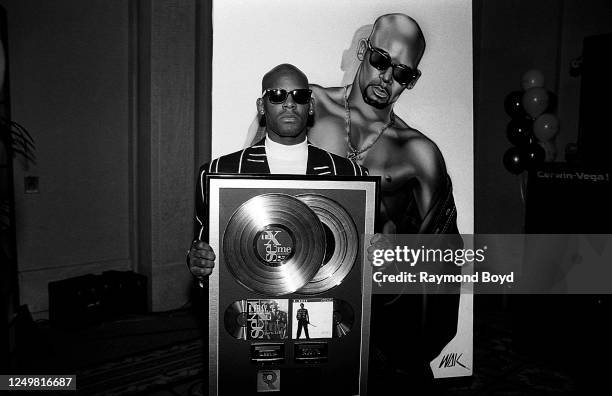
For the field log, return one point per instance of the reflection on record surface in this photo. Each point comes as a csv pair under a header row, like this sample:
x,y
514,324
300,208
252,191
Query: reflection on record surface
x,y
274,244
342,243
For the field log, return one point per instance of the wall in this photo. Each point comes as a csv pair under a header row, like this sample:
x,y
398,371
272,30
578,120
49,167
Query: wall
x,y
514,36
108,90
69,80
166,146
580,19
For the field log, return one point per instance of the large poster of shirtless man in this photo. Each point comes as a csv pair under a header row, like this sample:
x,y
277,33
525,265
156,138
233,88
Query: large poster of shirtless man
x,y
392,88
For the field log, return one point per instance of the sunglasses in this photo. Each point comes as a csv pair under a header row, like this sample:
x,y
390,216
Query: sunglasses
x,y
278,96
381,60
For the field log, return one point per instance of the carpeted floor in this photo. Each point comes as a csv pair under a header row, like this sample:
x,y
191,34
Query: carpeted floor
x,y
499,369
163,354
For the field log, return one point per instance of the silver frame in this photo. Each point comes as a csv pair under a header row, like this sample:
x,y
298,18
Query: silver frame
x,y
237,182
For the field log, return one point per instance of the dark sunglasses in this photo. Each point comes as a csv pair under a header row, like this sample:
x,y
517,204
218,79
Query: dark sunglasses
x,y
278,96
381,60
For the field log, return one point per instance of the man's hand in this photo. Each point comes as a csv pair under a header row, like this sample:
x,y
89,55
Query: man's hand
x,y
201,259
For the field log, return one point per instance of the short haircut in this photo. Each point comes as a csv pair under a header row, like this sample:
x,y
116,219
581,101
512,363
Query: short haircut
x,y
282,69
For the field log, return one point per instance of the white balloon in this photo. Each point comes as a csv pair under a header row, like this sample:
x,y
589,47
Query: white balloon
x,y
546,127
533,78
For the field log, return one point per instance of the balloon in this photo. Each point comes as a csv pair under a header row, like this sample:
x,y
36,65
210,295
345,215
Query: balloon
x,y
546,127
550,149
513,104
519,131
532,78
534,155
514,161
535,101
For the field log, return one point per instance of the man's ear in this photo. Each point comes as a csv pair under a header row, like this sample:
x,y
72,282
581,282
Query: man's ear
x,y
311,106
417,75
260,106
362,48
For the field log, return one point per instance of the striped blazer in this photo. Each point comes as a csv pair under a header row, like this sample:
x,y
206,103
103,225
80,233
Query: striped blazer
x,y
253,160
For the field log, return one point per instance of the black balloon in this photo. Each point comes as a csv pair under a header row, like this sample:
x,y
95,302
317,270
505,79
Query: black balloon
x,y
534,155
519,131
514,160
513,104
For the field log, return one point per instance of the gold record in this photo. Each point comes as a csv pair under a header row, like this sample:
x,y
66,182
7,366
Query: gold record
x,y
344,318
274,244
342,243
235,319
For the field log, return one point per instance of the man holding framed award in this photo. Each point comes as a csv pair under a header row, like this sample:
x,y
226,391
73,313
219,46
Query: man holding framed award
x,y
284,220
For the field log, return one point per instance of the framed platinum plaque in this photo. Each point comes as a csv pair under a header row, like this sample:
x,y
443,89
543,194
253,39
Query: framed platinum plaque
x,y
289,298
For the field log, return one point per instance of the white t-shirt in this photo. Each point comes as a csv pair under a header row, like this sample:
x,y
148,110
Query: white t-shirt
x,y
287,159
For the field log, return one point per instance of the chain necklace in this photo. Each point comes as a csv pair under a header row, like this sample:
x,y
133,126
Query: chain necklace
x,y
354,153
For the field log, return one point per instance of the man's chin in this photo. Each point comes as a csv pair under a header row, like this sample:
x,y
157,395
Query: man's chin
x,y
376,103
374,100
289,134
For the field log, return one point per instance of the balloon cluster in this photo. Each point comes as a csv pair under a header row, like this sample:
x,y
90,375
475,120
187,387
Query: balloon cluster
x,y
533,126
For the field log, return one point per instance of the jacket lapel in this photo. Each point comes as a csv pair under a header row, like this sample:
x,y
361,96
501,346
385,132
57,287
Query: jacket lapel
x,y
254,159
318,162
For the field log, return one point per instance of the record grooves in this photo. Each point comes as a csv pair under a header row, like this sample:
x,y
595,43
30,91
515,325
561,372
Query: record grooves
x,y
344,247
344,318
274,244
235,319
